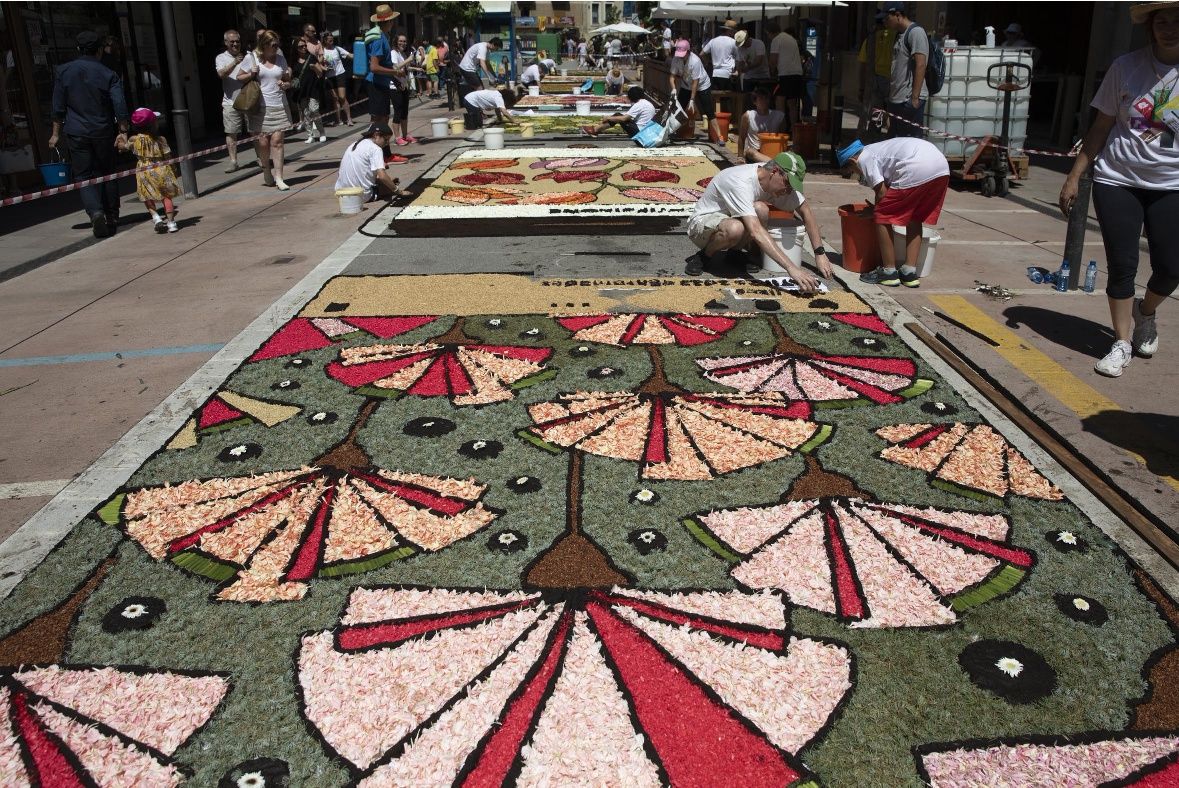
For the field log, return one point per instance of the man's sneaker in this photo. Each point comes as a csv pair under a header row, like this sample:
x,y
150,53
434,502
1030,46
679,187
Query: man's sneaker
x,y
589,131
99,226
880,276
1115,360
695,264
910,280
1146,335
323,138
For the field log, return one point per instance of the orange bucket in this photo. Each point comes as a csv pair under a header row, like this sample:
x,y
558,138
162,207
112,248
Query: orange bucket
x,y
688,130
861,249
723,119
773,144
806,140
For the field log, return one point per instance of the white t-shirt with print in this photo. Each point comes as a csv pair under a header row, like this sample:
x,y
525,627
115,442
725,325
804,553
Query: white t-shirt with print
x,y
359,165
643,112
485,99
1141,150
689,70
470,61
733,192
334,59
230,86
785,47
902,163
723,51
753,49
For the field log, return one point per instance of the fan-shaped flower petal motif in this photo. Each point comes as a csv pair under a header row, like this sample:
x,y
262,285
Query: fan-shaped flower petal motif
x,y
970,458
477,195
313,333
471,374
864,321
593,688
569,163
489,177
268,535
485,164
686,436
869,564
673,194
644,329
829,380
100,726
1118,759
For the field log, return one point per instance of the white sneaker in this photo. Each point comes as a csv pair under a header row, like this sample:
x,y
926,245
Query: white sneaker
x,y
173,228
1146,335
1115,360
281,184
310,139
323,138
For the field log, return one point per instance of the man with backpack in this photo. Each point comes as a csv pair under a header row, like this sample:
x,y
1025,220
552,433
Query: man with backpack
x,y
907,90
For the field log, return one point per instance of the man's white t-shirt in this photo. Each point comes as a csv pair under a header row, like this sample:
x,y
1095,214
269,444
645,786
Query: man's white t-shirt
x,y
755,48
1141,150
643,112
616,47
789,58
723,51
230,86
693,69
470,61
902,163
485,99
359,165
550,64
733,192
531,75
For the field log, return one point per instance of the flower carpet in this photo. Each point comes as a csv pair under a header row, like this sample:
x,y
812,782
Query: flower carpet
x,y
555,190
608,532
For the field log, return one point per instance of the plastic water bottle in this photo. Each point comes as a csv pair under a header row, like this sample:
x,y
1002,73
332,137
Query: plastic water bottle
x,y
1062,277
990,31
1037,274
1090,276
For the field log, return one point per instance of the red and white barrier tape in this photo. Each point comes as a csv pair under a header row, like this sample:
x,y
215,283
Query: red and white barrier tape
x,y
878,118
69,187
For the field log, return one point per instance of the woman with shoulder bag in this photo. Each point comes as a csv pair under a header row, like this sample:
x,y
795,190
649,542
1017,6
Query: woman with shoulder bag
x,y
270,119
307,87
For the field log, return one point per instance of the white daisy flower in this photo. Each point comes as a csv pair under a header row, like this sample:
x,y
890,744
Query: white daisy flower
x,y
1010,665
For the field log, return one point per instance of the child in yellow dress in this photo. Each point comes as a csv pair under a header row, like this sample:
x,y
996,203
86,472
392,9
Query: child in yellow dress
x,y
153,181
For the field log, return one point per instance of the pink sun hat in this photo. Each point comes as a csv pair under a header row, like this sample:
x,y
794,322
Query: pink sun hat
x,y
682,47
143,116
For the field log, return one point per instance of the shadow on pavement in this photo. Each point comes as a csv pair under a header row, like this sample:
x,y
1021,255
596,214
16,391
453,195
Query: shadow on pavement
x,y
1145,434
1075,333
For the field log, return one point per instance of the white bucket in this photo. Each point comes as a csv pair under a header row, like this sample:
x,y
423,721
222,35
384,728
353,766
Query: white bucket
x,y
583,108
351,200
564,72
577,90
534,90
789,237
925,254
441,127
493,138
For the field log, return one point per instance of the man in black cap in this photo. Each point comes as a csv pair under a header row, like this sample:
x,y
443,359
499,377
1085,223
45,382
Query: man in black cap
x,y
363,165
88,103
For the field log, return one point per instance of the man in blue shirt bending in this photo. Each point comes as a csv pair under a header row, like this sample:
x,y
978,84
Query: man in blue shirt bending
x,y
88,103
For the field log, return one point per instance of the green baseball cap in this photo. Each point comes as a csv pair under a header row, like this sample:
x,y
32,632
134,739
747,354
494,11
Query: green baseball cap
x,y
795,168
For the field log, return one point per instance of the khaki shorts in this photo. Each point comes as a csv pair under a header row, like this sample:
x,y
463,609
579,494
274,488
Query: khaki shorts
x,y
701,227
234,120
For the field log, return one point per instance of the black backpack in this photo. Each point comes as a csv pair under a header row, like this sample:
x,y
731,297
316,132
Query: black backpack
x,y
935,64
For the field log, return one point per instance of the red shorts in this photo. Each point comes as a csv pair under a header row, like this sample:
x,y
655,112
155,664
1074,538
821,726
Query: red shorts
x,y
920,204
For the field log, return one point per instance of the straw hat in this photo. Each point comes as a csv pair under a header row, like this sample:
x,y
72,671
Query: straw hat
x,y
730,24
384,14
740,37
1140,12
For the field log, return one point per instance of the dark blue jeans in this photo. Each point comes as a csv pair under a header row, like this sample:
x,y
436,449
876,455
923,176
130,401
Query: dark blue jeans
x,y
91,157
898,128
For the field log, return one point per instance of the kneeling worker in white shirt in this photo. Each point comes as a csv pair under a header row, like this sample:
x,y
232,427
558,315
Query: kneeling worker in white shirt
x,y
640,115
478,101
735,208
363,164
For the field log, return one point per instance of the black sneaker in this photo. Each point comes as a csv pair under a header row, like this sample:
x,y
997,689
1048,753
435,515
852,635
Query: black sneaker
x,y
910,280
880,276
112,223
695,264
99,226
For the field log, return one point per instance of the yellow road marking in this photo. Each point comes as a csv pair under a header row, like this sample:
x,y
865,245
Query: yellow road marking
x,y
1073,392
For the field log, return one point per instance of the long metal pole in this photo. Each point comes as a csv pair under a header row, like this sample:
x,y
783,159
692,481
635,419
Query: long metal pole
x,y
1074,240
179,104
829,56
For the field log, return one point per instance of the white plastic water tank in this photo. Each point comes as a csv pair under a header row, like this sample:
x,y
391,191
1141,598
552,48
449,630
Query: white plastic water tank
x,y
967,106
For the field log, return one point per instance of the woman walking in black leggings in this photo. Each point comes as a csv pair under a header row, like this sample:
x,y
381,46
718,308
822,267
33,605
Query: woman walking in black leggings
x,y
1136,180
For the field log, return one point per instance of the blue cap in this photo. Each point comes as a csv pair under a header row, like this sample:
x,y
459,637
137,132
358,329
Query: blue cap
x,y
889,7
852,149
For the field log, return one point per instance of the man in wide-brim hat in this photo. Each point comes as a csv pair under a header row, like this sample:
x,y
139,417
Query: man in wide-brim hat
x,y
384,14
380,66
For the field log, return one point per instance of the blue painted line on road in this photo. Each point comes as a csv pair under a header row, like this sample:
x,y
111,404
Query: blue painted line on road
x,y
115,354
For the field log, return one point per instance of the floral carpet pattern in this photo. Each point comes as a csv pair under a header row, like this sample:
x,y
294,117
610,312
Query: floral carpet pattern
x,y
421,542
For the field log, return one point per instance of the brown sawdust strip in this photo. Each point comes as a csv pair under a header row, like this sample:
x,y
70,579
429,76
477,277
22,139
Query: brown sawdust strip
x,y
471,294
43,640
1159,710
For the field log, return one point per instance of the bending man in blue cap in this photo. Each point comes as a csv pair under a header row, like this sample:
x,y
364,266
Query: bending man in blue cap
x,y
735,208
910,178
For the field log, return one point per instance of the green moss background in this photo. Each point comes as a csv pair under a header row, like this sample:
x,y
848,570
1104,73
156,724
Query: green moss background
x,y
909,688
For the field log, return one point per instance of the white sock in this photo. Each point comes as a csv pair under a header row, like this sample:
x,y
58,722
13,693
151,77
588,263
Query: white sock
x,y
908,269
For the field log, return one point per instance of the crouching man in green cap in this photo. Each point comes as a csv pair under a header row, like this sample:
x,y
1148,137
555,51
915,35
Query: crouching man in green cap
x,y
735,208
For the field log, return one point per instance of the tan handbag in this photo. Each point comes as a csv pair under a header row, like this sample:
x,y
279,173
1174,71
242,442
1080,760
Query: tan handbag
x,y
247,100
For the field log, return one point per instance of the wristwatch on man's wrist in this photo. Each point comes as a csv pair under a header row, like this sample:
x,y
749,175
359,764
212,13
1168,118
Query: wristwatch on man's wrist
x,y
820,250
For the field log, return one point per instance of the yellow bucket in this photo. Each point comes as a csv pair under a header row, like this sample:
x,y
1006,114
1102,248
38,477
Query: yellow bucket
x,y
456,126
527,130
351,199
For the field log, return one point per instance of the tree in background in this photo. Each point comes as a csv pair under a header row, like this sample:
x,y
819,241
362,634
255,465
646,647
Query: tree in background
x,y
454,15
